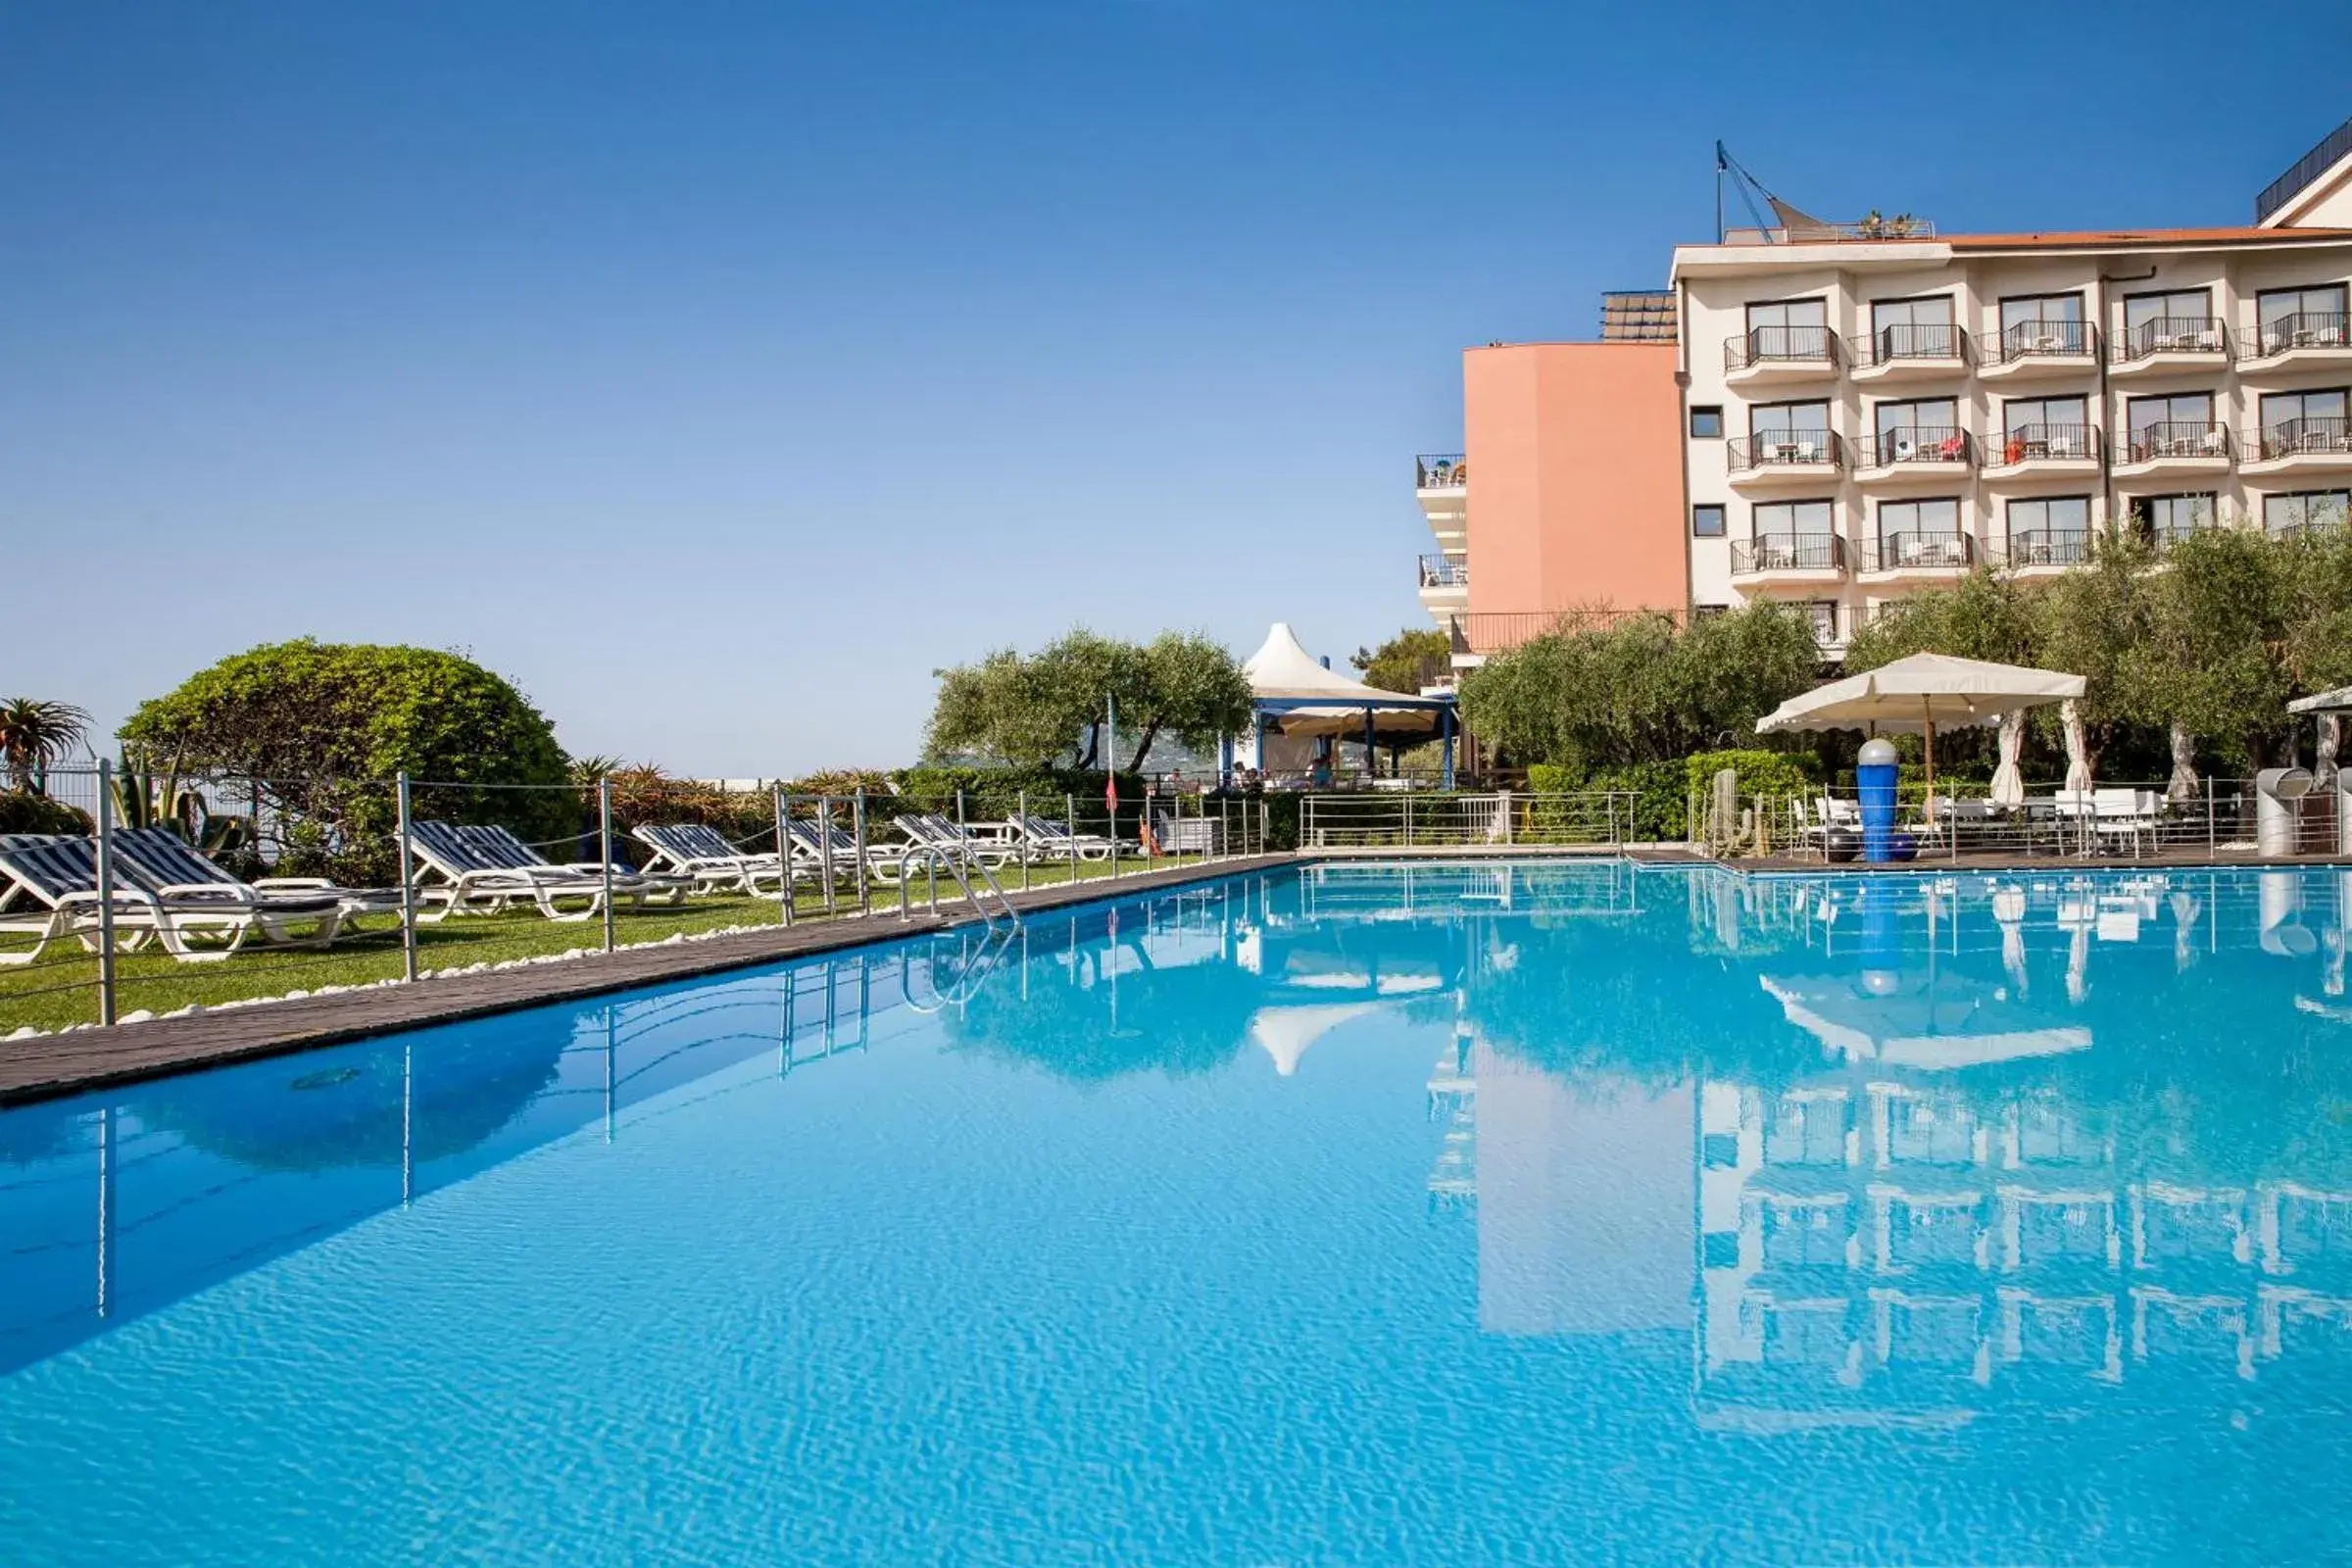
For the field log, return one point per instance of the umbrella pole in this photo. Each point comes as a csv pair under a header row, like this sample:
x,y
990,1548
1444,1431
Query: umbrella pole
x,y
1930,751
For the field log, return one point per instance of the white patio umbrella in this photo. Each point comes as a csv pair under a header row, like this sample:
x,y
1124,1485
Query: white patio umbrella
x,y
1916,696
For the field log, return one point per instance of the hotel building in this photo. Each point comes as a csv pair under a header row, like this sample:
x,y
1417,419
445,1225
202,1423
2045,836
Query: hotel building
x,y
1865,410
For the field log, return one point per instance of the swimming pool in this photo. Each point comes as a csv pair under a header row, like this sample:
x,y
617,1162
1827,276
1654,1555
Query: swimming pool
x,y
1360,1214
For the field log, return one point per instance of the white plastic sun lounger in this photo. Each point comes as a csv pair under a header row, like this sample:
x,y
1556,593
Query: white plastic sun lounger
x,y
49,891
1049,840
193,895
935,831
883,862
699,851
487,871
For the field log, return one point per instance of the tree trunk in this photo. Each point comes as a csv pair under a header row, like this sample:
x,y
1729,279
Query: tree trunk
x,y
1150,734
2322,764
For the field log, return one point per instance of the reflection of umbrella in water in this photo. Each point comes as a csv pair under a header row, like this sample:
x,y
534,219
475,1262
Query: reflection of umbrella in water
x,y
356,1107
1284,1033
2009,912
1914,1020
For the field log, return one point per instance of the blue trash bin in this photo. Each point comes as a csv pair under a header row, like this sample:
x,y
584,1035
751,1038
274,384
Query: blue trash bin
x,y
1874,777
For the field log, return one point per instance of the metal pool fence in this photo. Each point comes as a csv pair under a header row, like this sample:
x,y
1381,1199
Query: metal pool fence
x,y
2221,819
1503,819
237,888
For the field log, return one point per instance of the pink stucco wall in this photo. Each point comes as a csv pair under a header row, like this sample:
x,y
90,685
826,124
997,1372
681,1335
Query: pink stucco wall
x,y
1576,477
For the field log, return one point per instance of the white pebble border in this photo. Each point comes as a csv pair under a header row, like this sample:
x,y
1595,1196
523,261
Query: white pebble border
x,y
143,1015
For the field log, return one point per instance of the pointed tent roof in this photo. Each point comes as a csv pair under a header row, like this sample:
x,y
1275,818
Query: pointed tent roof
x,y
1282,668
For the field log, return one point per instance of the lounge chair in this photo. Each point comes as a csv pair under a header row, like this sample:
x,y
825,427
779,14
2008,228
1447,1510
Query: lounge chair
x,y
702,853
195,895
1046,839
49,892
931,829
810,852
487,871
661,887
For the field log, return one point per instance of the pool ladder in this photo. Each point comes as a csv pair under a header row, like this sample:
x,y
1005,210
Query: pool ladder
x,y
957,860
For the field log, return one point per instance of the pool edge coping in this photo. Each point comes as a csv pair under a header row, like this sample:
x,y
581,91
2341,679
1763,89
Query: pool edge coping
x,y
54,1067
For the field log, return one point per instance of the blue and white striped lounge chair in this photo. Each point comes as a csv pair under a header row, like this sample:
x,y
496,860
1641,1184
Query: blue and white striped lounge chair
x,y
932,829
883,862
1048,840
700,852
49,891
193,895
656,886
464,873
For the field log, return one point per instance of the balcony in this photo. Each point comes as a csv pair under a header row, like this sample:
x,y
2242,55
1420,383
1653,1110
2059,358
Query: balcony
x,y
2044,552
1475,634
2309,340
2043,450
2036,350
1783,457
2171,447
2170,343
1793,561
1440,483
2299,446
1915,557
1445,585
1908,353
1781,354
1915,452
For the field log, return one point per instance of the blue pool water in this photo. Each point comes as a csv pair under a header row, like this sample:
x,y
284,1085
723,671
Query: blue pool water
x,y
1450,1215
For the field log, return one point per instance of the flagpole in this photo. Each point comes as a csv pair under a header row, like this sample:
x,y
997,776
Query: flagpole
x,y
1111,774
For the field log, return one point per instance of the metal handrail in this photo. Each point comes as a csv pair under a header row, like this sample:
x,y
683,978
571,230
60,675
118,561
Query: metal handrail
x,y
1920,443
1439,471
2038,338
1780,345
2176,438
2308,167
2039,443
1442,571
2301,437
1908,340
2303,330
1917,548
2046,546
955,859
1789,553
2171,335
1783,448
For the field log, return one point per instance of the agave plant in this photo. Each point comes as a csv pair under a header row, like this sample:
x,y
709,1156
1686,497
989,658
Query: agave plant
x,y
34,732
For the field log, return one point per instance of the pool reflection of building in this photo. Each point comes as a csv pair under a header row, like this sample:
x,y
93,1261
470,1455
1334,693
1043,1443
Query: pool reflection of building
x,y
1925,1225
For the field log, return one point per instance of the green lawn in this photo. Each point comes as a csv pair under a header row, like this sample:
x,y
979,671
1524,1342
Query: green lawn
x,y
62,988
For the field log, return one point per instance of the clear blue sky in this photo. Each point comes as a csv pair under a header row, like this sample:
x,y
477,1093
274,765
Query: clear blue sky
x,y
717,370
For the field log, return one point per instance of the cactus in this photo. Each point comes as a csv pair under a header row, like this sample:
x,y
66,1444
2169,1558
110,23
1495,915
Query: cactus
x,y
145,798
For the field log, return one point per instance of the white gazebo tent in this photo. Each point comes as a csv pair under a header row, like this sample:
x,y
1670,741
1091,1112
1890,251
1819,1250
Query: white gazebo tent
x,y
1296,695
1914,696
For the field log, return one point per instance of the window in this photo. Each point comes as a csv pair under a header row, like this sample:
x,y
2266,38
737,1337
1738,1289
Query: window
x,y
2177,426
2306,509
1787,432
2049,531
1706,422
1790,520
2179,320
2042,323
2168,517
1789,330
1922,432
1912,328
2301,318
1706,521
2303,421
1709,612
1824,620
2044,427
1920,534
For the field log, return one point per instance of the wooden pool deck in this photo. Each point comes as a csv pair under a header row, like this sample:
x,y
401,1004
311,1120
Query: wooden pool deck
x,y
46,1067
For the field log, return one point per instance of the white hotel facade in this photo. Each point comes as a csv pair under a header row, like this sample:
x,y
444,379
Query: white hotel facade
x,y
1873,409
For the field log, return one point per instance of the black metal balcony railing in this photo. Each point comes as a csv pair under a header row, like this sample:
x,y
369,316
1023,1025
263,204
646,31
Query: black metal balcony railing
x,y
2039,339
1781,449
1495,631
1920,443
2175,438
1908,550
1910,340
2290,438
1780,345
2048,547
2305,330
2171,335
1439,471
1442,571
1802,551
2310,167
2045,443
